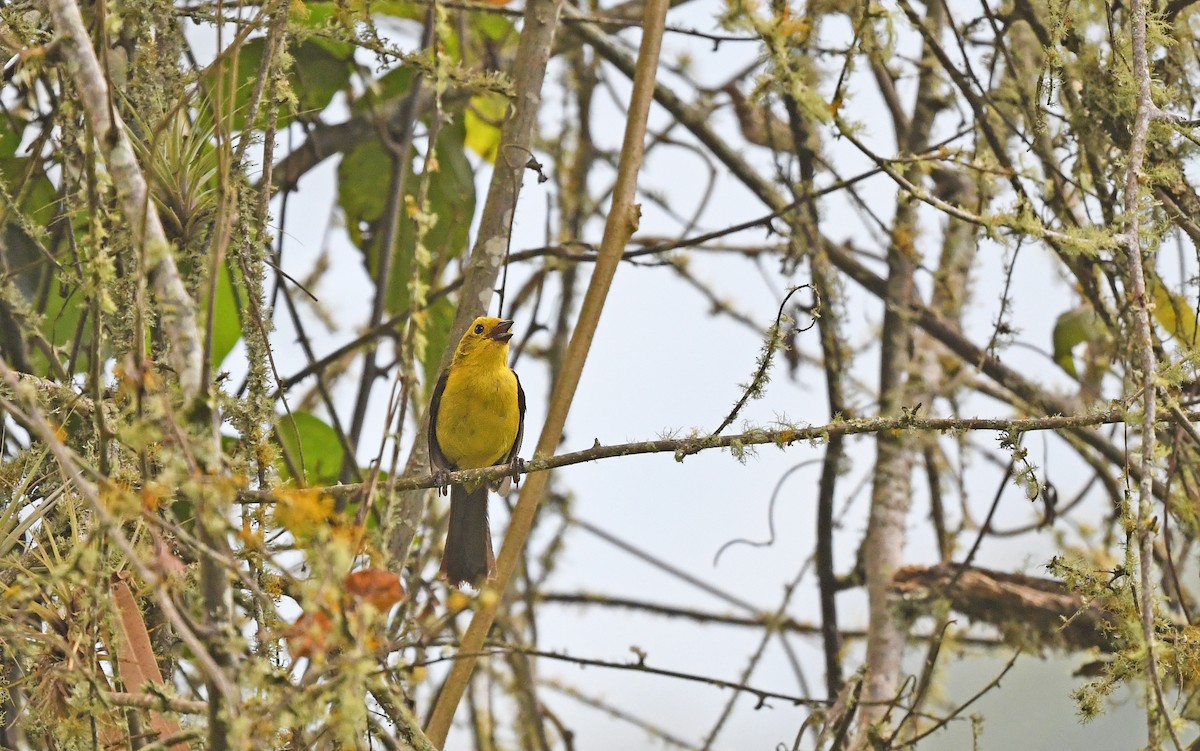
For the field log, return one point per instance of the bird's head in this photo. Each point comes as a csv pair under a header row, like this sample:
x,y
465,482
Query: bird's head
x,y
485,335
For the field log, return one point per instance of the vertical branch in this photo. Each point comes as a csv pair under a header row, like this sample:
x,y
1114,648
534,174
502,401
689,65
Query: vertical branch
x,y
250,255
620,226
177,310
834,355
1147,364
576,207
892,482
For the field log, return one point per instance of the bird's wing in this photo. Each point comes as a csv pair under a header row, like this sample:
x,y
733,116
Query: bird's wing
x,y
516,447
438,460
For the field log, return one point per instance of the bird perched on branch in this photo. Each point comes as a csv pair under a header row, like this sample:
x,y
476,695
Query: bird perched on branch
x,y
476,419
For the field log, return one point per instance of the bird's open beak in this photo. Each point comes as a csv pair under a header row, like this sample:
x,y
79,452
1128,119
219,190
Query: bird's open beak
x,y
502,331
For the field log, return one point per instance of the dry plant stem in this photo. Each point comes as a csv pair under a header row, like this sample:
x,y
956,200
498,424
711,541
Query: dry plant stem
x,y
1148,367
487,256
177,310
621,224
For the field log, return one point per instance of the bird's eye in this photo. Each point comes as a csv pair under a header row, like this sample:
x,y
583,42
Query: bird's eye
x,y
479,328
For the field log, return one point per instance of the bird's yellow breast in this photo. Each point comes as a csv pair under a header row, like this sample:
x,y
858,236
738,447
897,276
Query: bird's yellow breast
x,y
479,416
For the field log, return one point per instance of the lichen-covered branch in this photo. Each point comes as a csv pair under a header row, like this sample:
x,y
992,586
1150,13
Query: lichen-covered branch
x,y
1146,370
177,310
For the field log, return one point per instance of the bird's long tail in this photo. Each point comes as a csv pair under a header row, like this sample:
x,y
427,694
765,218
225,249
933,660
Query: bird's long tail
x,y
468,557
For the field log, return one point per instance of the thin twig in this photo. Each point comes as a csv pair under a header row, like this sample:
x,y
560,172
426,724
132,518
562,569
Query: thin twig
x,y
638,666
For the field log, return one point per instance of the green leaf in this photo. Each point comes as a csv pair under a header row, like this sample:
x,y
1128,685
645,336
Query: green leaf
x,y
437,337
303,434
395,83
323,16
316,74
1071,329
60,322
399,9
227,324
249,59
10,138
494,27
363,177
25,261
35,192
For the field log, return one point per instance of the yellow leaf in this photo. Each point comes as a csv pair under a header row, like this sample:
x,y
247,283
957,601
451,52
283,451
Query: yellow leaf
x,y
457,601
796,30
1174,313
483,119
303,512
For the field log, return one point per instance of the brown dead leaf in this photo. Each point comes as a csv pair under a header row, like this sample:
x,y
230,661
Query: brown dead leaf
x,y
377,587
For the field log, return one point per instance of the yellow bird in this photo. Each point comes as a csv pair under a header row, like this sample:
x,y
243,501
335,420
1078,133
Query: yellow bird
x,y
476,419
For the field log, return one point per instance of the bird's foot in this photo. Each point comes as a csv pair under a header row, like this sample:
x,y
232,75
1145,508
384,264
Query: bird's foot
x,y
441,481
516,469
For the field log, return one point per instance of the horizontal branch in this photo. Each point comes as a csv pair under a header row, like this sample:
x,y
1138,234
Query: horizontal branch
x,y
638,666
683,447
761,620
156,702
1021,606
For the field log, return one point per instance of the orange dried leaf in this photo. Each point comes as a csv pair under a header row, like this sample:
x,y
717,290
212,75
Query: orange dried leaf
x,y
152,496
309,635
379,588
